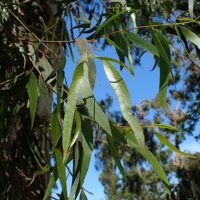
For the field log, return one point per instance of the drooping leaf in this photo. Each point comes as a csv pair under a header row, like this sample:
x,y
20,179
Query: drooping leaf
x,y
77,130
150,157
84,51
87,144
33,96
115,61
70,108
124,100
191,7
96,113
171,146
143,43
164,63
56,133
191,36
112,43
76,171
52,182
104,24
83,196
59,66
130,60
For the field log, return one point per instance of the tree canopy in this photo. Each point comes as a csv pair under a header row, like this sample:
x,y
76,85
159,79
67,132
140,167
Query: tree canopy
x,y
47,124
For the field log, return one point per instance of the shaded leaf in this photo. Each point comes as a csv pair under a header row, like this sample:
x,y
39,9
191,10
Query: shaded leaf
x,y
143,43
52,181
87,144
33,96
83,196
105,23
164,63
56,133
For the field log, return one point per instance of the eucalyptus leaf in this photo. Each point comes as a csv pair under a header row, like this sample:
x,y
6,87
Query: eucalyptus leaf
x,y
191,36
164,63
96,113
171,146
143,43
70,108
124,100
33,96
56,132
150,157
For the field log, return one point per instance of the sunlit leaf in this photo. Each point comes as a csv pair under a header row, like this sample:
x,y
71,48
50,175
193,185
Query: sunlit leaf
x,y
33,96
191,8
70,108
150,157
85,53
115,61
171,146
96,113
124,100
191,36
166,126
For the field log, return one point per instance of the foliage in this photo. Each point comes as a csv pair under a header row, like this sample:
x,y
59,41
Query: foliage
x,y
37,129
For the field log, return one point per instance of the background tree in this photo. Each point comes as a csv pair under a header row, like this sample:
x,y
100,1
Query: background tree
x,y
35,42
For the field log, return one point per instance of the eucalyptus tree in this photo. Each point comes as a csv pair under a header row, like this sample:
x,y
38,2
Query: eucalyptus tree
x,y
42,135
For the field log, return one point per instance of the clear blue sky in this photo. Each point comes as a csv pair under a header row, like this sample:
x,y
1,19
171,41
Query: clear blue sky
x,y
144,85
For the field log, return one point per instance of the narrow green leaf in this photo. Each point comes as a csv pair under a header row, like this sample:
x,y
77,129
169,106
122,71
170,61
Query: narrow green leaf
x,y
84,51
83,196
191,7
150,157
112,43
96,113
143,43
59,66
76,171
115,61
52,182
87,144
124,100
70,108
105,23
78,129
33,96
191,36
167,127
56,133
171,146
130,60
164,63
